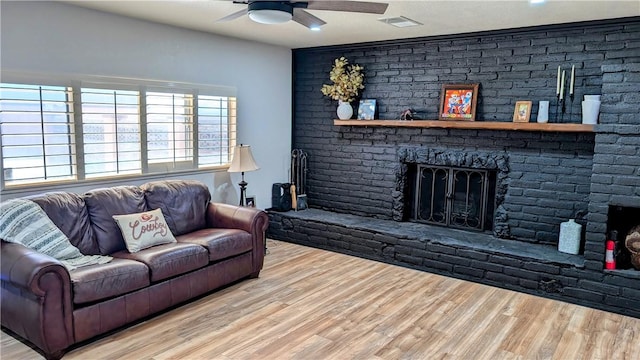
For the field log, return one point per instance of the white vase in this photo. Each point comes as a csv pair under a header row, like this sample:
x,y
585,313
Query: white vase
x,y
345,111
543,111
590,111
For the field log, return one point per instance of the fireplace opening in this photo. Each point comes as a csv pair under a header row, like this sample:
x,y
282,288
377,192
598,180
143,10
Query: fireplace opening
x,y
452,196
620,221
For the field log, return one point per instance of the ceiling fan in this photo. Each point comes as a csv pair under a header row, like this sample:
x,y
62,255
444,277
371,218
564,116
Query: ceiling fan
x,y
275,12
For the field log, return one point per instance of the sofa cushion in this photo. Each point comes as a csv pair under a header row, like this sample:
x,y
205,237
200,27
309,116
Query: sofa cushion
x,y
69,212
102,204
221,243
169,260
183,203
97,282
143,230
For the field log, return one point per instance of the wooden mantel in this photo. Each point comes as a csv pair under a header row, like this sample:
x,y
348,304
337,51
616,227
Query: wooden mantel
x,y
471,125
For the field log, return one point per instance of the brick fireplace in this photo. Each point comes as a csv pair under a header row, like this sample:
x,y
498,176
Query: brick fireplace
x,y
451,174
355,180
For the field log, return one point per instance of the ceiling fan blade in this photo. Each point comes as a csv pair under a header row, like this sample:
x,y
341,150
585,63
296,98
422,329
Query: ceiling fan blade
x,y
351,6
302,17
233,16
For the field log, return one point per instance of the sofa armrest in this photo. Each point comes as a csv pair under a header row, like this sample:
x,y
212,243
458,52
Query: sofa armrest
x,y
227,216
36,298
23,267
249,219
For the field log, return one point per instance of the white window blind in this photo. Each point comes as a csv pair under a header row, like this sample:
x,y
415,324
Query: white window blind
x,y
216,129
111,132
37,137
169,131
100,128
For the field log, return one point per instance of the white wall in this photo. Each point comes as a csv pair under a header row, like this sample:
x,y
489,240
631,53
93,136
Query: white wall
x,y
57,38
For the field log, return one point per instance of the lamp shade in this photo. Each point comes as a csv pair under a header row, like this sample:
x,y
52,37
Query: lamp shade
x,y
242,159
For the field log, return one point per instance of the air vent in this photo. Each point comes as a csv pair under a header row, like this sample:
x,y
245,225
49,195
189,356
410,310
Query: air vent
x,y
400,22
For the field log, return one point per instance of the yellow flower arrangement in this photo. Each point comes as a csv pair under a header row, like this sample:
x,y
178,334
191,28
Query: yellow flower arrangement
x,y
347,81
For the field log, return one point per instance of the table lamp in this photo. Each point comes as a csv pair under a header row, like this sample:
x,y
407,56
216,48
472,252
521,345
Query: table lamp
x,y
242,161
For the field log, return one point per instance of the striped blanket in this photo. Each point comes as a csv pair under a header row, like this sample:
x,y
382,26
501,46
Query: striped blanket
x,y
24,222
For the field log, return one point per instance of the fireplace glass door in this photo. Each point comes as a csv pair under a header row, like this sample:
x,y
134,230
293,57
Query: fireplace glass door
x,y
454,197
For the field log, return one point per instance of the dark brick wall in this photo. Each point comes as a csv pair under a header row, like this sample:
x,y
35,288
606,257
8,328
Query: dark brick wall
x,y
616,161
509,67
551,175
352,168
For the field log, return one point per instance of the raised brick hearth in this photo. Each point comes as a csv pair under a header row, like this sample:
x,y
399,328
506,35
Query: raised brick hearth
x,y
549,178
531,268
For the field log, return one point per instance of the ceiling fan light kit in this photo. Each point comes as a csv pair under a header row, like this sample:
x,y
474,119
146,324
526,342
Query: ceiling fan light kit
x,y
270,12
278,12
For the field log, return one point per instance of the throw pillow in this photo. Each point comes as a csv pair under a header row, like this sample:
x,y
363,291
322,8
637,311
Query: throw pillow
x,y
144,230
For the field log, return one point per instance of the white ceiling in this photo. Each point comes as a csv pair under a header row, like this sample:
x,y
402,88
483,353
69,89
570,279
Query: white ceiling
x,y
439,18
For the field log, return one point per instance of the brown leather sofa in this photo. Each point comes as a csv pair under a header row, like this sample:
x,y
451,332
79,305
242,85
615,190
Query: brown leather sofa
x,y
52,308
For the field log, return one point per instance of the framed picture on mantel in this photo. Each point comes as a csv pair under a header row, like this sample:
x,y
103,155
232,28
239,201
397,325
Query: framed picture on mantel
x,y
458,102
367,109
522,111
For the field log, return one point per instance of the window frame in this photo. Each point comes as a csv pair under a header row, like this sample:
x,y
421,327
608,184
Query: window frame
x,y
142,86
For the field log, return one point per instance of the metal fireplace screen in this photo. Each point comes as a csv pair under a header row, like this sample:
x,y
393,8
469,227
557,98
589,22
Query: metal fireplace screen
x,y
453,197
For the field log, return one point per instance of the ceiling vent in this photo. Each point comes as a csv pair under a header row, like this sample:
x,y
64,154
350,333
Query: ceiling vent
x,y
400,22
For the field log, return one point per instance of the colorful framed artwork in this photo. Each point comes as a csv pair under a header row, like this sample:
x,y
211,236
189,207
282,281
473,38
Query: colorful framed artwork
x,y
458,102
367,109
522,111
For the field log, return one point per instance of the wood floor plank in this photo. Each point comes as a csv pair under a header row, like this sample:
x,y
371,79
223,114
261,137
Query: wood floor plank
x,y
313,304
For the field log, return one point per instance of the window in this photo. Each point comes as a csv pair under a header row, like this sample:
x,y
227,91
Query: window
x,y
117,129
170,130
216,129
36,124
111,132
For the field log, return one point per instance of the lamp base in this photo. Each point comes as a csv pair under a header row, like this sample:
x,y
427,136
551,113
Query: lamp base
x,y
243,191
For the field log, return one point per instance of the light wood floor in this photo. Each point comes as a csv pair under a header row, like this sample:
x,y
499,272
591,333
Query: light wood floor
x,y
315,304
